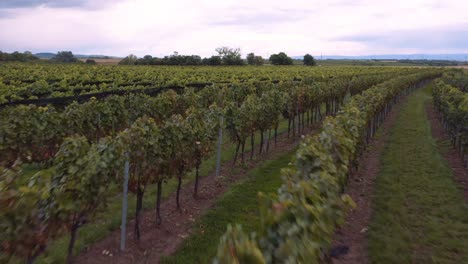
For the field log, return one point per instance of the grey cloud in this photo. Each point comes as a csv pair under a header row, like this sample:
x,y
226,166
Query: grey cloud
x,y
440,38
5,14
34,3
54,3
266,18
349,3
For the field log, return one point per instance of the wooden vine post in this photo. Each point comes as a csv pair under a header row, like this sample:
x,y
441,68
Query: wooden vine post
x,y
220,137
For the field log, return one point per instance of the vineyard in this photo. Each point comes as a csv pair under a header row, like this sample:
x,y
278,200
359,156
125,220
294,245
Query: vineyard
x,y
26,83
72,137
451,100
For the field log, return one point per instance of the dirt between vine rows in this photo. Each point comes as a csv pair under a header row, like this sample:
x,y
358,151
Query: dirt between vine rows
x,y
157,241
350,240
453,159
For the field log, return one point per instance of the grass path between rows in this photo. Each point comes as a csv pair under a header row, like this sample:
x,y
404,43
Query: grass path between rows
x,y
420,215
239,205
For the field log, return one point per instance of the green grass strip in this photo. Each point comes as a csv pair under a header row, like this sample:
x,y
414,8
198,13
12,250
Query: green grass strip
x,y
419,214
238,205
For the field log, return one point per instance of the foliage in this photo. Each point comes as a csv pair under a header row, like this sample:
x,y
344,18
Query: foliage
x,y
280,59
230,56
254,60
17,80
236,248
299,220
32,133
457,78
212,61
142,144
129,60
452,103
164,134
27,220
64,57
309,60
81,177
29,133
17,56
174,59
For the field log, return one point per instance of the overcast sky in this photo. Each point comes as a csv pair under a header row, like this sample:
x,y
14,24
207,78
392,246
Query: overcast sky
x,y
159,27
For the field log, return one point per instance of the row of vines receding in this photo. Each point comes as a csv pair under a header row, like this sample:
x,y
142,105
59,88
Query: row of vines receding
x,y
298,221
79,150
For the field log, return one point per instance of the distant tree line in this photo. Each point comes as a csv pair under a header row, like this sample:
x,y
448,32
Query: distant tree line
x,y
64,57
17,56
68,57
174,59
27,56
226,56
431,62
61,56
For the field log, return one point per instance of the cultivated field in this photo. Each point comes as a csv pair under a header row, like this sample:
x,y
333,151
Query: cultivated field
x,y
239,164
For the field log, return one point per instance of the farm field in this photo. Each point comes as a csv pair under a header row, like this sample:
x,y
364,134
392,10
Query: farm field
x,y
22,82
233,132
73,137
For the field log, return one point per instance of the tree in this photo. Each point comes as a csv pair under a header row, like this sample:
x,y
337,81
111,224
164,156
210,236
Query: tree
x,y
230,56
16,56
258,60
309,60
192,60
280,59
254,60
129,60
177,59
251,58
212,61
146,60
65,57
174,59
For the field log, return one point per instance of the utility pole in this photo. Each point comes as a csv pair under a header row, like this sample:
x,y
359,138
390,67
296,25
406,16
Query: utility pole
x,y
220,135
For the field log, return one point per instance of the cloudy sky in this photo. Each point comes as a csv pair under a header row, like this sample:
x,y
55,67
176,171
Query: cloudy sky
x,y
159,27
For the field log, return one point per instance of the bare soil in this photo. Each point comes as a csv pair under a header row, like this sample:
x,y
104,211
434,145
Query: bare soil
x,y
450,154
157,241
351,239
